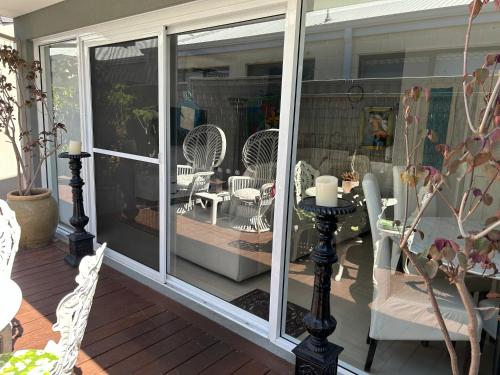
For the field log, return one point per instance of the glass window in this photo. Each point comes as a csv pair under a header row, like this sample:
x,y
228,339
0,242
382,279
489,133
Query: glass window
x,y
351,125
224,148
127,207
125,97
61,77
125,119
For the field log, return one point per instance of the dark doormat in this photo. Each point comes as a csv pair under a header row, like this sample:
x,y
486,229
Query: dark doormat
x,y
257,303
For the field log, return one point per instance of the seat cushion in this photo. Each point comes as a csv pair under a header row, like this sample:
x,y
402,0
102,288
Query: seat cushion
x,y
184,180
490,316
402,310
247,194
27,362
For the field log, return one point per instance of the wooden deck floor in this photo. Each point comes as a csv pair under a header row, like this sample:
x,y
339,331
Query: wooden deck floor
x,y
131,328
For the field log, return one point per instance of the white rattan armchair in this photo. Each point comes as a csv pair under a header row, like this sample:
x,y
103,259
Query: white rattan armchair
x,y
204,149
252,194
10,233
72,316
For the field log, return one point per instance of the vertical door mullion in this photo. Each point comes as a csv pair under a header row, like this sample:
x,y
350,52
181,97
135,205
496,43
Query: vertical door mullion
x,y
291,66
163,157
86,121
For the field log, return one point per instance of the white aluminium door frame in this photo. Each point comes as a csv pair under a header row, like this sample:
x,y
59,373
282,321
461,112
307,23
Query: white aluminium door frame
x,y
192,16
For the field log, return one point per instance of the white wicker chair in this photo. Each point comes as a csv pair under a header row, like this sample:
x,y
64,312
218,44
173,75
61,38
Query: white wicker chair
x,y
252,194
305,176
204,149
72,316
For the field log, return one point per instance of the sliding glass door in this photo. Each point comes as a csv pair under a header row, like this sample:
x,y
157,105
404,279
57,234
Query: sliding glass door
x,y
60,80
225,91
124,83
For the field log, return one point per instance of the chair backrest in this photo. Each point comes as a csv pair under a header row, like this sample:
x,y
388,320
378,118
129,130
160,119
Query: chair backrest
x,y
360,164
205,147
73,312
381,250
305,175
10,233
260,155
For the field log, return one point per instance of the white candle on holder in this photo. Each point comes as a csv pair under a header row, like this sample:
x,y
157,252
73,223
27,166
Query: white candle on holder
x,y
75,148
326,191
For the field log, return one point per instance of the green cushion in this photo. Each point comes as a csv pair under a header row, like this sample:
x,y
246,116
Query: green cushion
x,y
27,362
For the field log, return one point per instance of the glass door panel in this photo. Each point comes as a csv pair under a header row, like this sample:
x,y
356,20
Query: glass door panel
x,y
61,80
351,124
125,130
225,102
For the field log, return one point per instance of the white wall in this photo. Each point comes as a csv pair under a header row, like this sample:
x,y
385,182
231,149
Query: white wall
x,y
8,170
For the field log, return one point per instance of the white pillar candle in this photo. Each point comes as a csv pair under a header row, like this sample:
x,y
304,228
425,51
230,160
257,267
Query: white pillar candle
x,y
75,148
326,191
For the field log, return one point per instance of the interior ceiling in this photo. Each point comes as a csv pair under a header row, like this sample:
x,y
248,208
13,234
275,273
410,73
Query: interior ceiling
x,y
14,8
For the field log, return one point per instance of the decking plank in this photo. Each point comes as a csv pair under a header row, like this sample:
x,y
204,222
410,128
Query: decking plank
x,y
121,324
228,364
138,344
252,368
184,351
127,334
142,359
202,360
131,327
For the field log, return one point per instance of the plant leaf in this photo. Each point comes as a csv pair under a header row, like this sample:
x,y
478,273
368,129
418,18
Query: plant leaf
x,y
481,75
431,268
475,7
487,199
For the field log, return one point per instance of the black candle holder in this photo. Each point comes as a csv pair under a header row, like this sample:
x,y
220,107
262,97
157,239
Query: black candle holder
x,y
316,355
81,243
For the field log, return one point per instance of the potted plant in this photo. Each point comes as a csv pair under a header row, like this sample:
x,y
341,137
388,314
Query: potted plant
x,y
35,208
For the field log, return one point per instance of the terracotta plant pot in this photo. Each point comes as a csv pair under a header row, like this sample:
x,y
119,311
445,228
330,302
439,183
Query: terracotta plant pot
x,y
37,215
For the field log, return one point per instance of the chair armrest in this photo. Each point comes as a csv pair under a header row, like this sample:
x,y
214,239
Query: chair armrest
x,y
266,197
184,169
200,182
239,182
265,190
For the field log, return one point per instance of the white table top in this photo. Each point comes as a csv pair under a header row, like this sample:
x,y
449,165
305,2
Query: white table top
x,y
10,300
446,227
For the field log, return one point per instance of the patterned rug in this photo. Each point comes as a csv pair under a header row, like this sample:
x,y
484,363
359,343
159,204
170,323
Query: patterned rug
x,y
257,303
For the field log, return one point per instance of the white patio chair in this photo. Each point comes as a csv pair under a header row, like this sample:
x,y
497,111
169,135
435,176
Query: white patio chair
x,y
489,312
400,309
10,233
204,149
304,178
399,190
72,316
252,194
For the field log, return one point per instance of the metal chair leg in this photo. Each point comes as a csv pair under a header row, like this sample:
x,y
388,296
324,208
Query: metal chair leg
x,y
483,339
371,354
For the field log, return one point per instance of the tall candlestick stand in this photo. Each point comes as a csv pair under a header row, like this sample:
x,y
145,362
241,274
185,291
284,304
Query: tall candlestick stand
x,y
81,243
316,355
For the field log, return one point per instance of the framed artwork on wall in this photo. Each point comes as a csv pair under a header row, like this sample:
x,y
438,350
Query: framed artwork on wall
x,y
377,128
